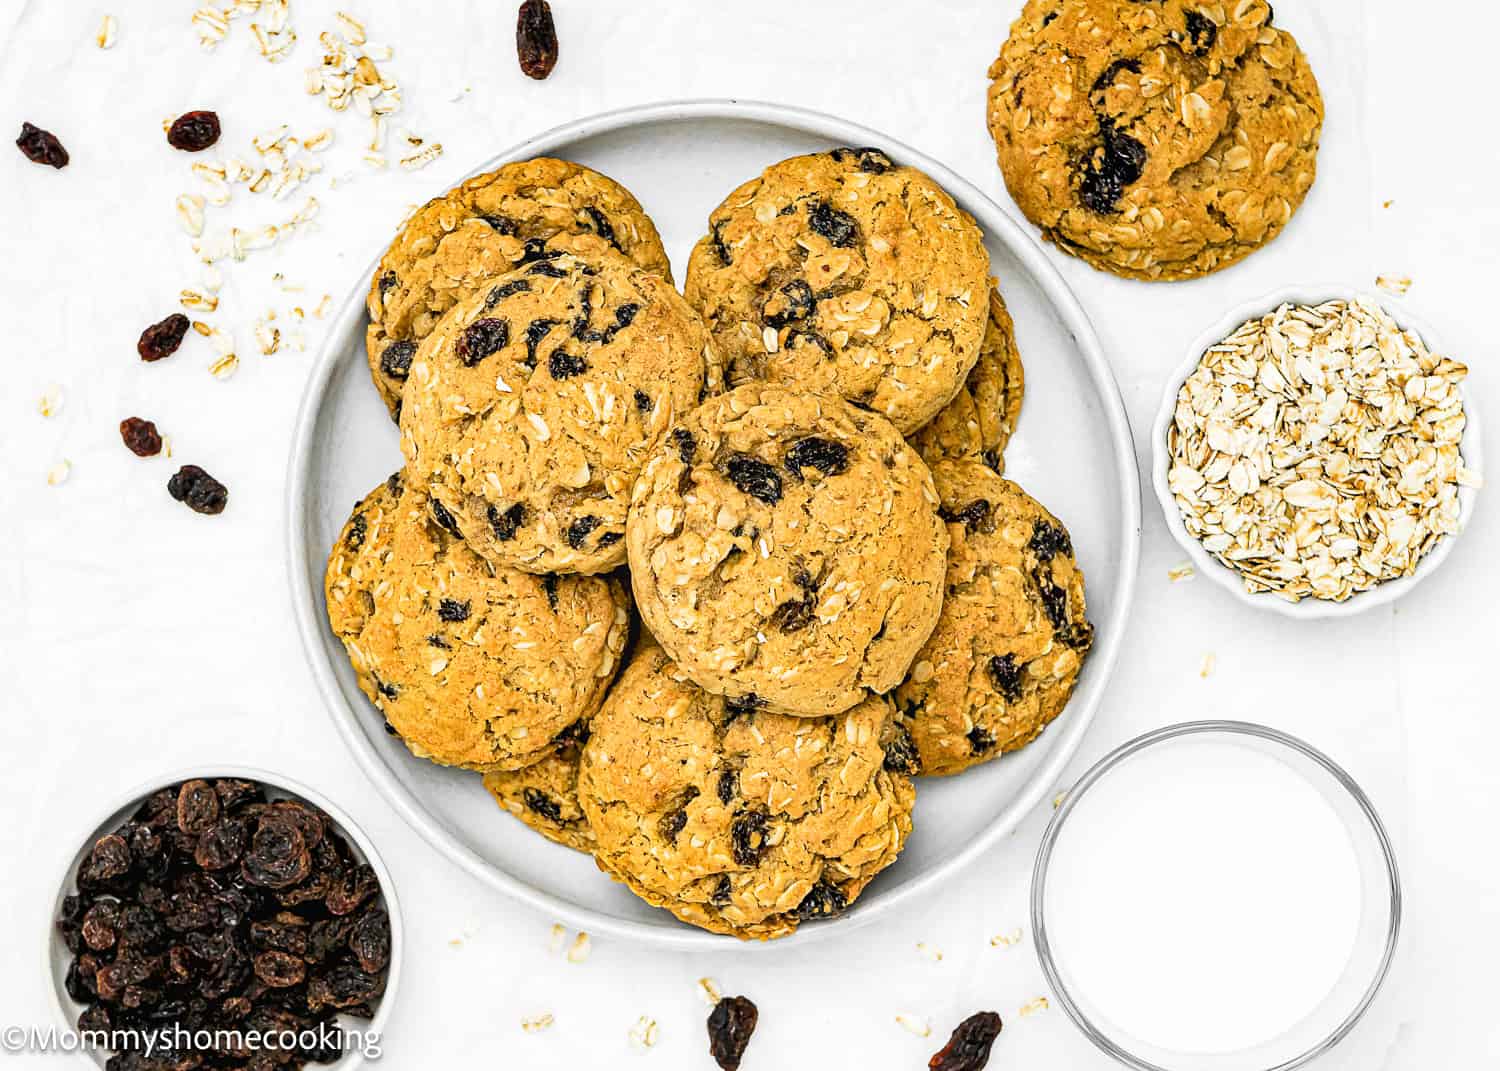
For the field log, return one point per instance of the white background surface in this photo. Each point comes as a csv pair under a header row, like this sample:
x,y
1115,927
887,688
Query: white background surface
x,y
137,637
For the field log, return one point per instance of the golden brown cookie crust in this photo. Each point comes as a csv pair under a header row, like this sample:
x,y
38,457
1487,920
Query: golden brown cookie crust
x,y
981,418
737,820
533,403
544,795
842,272
486,227
1160,140
1007,649
473,666
786,546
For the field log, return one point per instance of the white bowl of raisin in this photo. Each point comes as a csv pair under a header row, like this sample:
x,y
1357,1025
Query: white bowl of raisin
x,y
228,915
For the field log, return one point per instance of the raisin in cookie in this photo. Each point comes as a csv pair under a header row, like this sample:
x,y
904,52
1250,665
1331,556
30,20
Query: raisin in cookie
x,y
980,419
532,405
473,665
487,226
1158,140
544,795
734,819
785,549
1007,649
844,273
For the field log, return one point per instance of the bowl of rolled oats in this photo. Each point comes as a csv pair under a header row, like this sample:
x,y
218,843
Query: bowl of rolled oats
x,y
1315,453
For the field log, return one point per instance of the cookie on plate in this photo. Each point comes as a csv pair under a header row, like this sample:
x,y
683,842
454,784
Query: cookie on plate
x,y
844,273
486,227
544,795
472,665
1160,140
1007,649
734,819
532,405
980,419
785,550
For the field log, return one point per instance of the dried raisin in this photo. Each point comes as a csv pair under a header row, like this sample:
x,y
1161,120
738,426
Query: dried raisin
x,y
41,146
193,131
578,531
974,517
482,338
968,1049
162,339
1007,676
536,39
824,901
197,490
840,228
730,1026
828,457
747,835
505,523
395,360
140,436
565,365
1115,163
453,610
754,477
538,802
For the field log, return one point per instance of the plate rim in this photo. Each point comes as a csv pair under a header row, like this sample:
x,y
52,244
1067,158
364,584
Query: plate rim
x,y
999,225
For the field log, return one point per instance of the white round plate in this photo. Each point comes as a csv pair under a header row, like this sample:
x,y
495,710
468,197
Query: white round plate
x,y
1072,450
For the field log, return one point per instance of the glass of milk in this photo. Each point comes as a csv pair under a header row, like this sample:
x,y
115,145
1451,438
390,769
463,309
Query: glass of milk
x,y
1215,896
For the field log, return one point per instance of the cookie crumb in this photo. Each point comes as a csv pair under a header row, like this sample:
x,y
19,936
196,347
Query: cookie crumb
x,y
914,1024
51,401
581,948
643,1033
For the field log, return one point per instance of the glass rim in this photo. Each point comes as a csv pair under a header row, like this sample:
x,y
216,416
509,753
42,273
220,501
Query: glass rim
x,y
1102,1039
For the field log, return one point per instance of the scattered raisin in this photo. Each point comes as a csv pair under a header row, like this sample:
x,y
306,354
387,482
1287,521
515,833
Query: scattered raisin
x,y
193,131
565,365
840,228
824,901
901,755
974,517
969,1047
453,610
981,741
482,338
601,225
197,807
578,531
199,491
1116,162
1202,32
671,824
536,39
828,457
1048,540
41,146
1007,676
162,339
395,360
754,477
506,523
748,836
794,301
538,802
730,1025
687,446
141,437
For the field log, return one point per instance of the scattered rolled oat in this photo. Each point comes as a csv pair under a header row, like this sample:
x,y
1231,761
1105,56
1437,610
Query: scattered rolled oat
x,y
1316,450
581,948
51,401
643,1033
710,990
914,1024
555,937
1393,284
928,952
108,28
1037,1004
58,473
1057,800
225,366
1005,940
1207,668
1181,571
533,1024
198,299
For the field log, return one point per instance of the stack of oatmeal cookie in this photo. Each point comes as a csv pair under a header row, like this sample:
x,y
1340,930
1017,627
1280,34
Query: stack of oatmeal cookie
x,y
790,475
